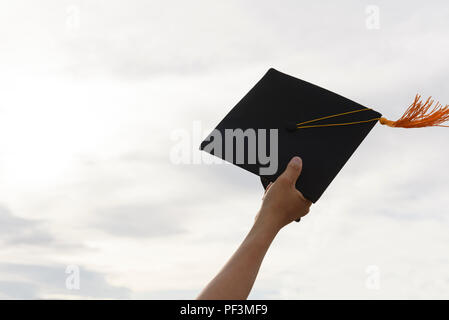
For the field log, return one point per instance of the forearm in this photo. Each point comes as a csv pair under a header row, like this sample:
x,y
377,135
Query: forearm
x,y
237,277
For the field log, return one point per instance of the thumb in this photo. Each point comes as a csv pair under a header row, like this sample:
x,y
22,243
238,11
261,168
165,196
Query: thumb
x,y
293,170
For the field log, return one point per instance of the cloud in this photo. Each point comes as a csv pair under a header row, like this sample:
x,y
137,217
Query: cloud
x,y
43,281
139,221
19,231
18,290
85,124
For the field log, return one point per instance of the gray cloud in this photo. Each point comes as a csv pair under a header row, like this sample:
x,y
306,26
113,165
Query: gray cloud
x,y
139,221
18,290
37,281
16,231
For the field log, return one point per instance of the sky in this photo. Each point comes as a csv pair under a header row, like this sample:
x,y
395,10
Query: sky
x,y
94,94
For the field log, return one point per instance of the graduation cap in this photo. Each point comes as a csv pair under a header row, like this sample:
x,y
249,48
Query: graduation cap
x,y
282,117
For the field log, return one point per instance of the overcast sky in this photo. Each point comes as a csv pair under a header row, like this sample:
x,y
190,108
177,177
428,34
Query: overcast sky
x,y
93,91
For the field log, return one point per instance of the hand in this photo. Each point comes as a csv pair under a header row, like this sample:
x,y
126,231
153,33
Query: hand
x,y
282,202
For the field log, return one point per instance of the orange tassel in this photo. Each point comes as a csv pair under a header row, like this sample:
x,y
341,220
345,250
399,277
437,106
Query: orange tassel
x,y
417,115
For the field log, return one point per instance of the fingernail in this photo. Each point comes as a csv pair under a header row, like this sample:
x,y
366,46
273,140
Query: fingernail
x,y
296,161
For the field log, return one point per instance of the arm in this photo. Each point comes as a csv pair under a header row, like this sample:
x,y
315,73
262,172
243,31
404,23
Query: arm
x,y
282,204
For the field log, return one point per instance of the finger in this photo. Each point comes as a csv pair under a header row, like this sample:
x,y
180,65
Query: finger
x,y
266,190
308,202
268,187
305,208
293,170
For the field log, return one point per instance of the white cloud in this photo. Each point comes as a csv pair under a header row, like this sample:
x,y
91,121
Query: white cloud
x,y
85,122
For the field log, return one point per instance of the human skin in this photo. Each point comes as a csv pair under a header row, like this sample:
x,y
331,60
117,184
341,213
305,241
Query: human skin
x,y
282,204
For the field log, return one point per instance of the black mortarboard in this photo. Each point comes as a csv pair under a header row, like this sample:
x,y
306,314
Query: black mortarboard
x,y
320,126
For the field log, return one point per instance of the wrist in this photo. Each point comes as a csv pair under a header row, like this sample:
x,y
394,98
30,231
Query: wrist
x,y
266,224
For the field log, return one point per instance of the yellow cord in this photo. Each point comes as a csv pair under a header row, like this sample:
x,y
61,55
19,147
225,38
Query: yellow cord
x,y
300,125
338,124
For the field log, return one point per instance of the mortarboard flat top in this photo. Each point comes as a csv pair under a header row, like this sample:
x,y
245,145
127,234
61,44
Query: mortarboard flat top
x,y
276,102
